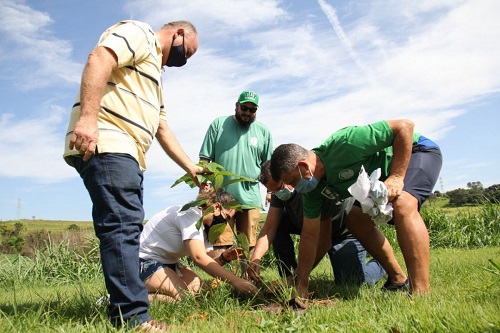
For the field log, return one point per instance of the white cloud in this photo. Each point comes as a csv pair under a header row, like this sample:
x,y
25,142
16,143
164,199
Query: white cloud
x,y
311,83
431,61
226,17
37,59
32,147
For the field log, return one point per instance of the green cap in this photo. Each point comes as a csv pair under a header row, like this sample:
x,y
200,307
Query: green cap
x,y
249,96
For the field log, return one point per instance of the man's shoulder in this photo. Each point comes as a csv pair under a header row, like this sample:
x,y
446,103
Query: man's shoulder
x,y
137,23
131,24
261,126
220,120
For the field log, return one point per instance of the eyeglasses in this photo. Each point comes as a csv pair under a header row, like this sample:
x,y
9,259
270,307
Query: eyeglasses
x,y
246,108
277,188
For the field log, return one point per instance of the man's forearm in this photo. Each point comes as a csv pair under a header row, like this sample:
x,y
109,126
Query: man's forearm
x,y
308,246
402,146
307,254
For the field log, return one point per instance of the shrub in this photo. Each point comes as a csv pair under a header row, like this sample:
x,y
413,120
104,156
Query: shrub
x,y
57,263
470,228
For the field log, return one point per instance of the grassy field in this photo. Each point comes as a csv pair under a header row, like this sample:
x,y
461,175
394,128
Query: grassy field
x,y
465,298
56,288
50,225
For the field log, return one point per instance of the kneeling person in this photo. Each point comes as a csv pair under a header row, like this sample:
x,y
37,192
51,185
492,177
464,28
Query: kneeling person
x,y
172,234
347,255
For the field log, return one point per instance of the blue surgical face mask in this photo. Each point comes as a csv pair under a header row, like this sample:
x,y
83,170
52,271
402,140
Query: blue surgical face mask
x,y
306,185
177,55
284,194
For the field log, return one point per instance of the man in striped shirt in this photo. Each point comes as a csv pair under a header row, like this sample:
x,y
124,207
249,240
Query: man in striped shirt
x,y
118,112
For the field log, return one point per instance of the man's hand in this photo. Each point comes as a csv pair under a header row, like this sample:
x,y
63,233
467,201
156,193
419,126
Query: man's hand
x,y
394,186
301,289
253,270
233,253
84,137
244,286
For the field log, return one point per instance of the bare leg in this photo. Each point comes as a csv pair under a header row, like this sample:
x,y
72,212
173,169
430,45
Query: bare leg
x,y
413,239
165,281
362,227
160,298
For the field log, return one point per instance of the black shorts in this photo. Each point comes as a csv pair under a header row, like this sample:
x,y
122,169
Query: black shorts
x,y
423,172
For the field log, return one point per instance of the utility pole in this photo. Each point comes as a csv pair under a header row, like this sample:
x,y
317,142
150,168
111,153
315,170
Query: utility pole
x,y
19,204
442,185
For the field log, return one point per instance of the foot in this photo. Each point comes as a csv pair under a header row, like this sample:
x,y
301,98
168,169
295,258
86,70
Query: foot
x,y
152,326
390,286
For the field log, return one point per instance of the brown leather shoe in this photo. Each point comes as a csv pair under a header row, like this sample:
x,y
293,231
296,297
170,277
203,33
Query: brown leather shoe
x,y
152,326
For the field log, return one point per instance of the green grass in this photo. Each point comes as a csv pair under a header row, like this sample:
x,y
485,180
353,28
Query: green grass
x,y
442,204
55,289
465,298
49,225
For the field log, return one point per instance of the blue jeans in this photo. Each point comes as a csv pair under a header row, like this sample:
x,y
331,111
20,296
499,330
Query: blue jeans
x,y
114,183
347,256
348,259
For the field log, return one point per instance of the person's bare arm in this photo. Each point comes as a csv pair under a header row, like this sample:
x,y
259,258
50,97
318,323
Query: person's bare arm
x,y
266,237
198,253
401,146
308,246
100,63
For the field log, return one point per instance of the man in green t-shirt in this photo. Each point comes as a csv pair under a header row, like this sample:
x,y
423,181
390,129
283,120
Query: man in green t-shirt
x,y
241,145
410,164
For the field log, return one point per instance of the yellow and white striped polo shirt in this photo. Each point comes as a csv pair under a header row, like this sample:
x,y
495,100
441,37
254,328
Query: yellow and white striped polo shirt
x,y
132,103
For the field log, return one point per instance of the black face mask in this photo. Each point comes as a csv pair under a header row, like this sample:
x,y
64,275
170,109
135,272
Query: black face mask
x,y
177,55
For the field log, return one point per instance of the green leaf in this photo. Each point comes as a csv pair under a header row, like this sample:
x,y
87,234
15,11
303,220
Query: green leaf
x,y
212,167
232,181
229,174
207,211
497,266
184,178
242,242
215,174
195,203
219,179
239,207
235,204
216,231
198,224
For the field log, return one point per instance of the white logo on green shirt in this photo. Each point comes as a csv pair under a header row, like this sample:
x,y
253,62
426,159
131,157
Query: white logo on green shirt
x,y
253,141
329,193
346,174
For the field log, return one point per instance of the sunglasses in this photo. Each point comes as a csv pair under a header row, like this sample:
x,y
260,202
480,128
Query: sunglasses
x,y
246,108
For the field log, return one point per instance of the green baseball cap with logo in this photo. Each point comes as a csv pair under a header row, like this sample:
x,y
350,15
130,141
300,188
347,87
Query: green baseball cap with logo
x,y
249,96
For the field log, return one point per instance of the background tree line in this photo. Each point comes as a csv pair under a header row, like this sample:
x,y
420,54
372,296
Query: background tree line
x,y
474,194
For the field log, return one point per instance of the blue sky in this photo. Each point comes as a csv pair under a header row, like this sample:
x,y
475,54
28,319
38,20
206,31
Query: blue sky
x,y
317,65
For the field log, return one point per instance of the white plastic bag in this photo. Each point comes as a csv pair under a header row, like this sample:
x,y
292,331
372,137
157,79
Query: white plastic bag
x,y
372,195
